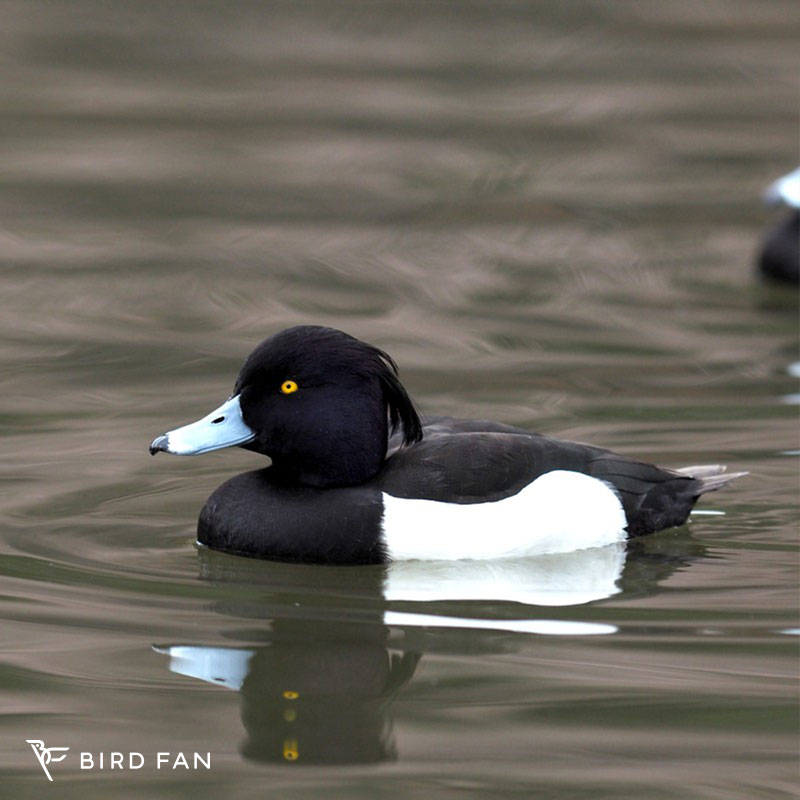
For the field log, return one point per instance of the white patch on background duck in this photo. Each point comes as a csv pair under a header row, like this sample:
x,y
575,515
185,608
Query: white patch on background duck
x,y
557,579
785,190
559,512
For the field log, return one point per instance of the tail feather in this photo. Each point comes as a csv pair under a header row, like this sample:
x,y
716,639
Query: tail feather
x,y
710,477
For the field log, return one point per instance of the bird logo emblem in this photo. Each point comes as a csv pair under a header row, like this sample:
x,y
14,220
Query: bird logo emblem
x,y
47,755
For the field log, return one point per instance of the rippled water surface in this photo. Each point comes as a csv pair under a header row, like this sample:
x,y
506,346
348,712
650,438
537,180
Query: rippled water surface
x,y
547,213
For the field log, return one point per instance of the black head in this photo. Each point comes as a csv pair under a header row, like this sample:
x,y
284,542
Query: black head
x,y
321,404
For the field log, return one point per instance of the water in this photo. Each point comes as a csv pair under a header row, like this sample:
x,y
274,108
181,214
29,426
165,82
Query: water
x,y
547,213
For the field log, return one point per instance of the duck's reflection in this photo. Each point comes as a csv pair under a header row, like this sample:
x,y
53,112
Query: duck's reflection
x,y
332,709
316,679
329,647
558,579
314,694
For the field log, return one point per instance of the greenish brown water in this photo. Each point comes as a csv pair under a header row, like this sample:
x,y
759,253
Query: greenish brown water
x,y
547,213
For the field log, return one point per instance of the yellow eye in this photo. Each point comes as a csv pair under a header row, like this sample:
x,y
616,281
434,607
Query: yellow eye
x,y
287,387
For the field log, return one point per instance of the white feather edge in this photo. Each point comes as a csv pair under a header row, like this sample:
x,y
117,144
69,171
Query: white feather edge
x,y
543,627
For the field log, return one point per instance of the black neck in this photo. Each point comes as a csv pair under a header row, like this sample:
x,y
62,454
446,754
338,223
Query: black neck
x,y
347,449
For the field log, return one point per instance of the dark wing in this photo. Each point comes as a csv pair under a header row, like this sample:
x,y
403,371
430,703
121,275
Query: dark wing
x,y
478,466
461,461
447,426
653,498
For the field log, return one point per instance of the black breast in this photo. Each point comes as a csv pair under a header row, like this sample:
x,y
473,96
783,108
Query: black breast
x,y
253,514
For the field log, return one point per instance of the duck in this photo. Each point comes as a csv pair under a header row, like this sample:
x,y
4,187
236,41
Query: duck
x,y
356,476
779,255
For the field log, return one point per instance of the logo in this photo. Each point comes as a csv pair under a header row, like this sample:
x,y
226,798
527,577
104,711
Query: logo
x,y
47,755
115,760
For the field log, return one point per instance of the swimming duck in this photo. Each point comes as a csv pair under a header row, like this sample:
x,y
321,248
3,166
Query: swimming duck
x,y
779,257
357,477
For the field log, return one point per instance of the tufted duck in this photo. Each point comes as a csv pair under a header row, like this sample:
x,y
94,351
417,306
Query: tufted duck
x,y
357,477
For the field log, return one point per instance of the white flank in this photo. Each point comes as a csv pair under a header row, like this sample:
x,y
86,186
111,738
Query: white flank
x,y
559,512
558,579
